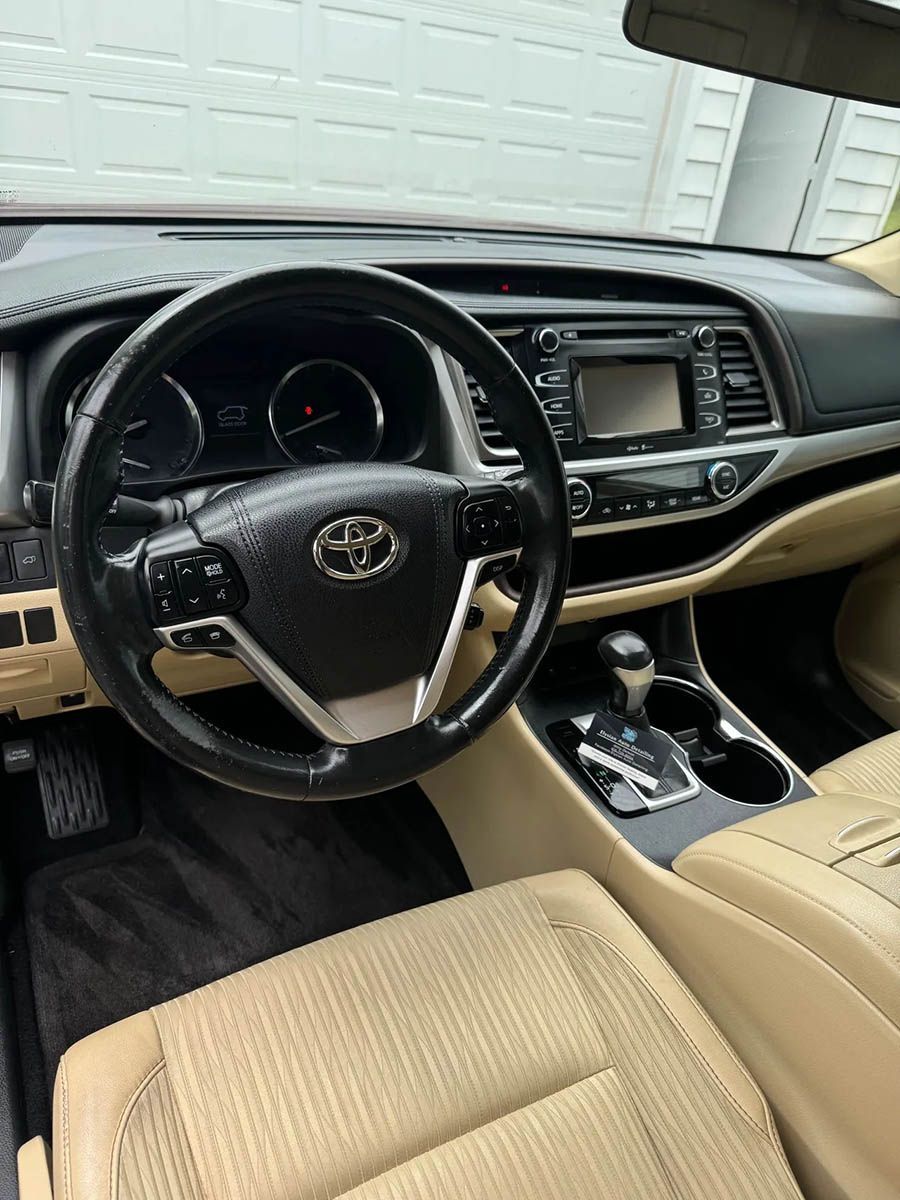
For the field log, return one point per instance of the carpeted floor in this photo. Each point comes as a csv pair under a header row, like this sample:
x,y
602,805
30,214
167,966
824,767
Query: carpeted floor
x,y
216,881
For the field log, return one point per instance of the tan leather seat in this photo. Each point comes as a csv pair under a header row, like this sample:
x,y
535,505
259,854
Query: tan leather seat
x,y
874,768
523,1041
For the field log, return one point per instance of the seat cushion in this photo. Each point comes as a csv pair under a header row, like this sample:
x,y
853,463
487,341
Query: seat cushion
x,y
873,768
521,1041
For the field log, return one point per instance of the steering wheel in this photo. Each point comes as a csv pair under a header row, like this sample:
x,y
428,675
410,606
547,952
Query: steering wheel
x,y
343,588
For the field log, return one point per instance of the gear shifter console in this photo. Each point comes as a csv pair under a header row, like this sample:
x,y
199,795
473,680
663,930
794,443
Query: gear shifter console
x,y
635,767
629,660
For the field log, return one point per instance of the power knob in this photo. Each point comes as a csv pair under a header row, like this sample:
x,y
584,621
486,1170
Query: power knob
x,y
547,339
721,480
704,337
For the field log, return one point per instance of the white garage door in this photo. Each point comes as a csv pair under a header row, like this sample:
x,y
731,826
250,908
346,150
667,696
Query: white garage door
x,y
497,109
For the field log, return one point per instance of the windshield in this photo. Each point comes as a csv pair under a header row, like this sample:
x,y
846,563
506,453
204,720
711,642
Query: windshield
x,y
515,113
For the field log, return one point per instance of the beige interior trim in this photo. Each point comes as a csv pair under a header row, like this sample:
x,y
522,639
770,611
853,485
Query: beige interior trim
x,y
89,1104
34,1171
827,1059
845,923
509,806
831,532
866,637
878,261
34,677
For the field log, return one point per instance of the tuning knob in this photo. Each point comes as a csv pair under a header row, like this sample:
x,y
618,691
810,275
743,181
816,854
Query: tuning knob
x,y
547,339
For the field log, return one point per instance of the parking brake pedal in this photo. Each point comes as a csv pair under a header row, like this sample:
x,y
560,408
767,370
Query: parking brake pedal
x,y
70,783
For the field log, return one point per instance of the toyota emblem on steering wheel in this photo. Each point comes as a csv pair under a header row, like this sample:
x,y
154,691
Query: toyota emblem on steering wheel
x,y
355,548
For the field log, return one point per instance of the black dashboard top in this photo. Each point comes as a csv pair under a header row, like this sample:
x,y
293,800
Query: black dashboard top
x,y
838,330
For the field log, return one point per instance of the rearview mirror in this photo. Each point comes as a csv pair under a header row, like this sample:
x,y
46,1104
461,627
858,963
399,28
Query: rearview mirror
x,y
843,47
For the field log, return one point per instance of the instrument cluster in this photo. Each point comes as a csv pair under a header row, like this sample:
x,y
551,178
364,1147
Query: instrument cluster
x,y
264,394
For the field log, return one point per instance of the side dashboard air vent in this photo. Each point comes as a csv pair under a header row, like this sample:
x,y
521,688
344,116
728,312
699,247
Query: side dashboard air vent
x,y
484,418
747,400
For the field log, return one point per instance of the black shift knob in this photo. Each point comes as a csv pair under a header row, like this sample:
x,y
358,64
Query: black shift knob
x,y
630,662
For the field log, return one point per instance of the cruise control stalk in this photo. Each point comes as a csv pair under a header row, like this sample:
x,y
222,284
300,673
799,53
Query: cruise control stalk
x,y
124,510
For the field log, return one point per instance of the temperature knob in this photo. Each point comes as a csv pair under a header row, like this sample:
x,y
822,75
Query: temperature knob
x,y
547,339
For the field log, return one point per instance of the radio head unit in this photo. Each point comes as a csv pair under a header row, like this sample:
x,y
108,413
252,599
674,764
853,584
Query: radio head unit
x,y
612,394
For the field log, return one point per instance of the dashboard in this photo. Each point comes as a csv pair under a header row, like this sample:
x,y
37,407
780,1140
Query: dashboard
x,y
724,418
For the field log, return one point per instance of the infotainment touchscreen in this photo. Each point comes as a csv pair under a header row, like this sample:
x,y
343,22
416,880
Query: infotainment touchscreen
x,y
622,397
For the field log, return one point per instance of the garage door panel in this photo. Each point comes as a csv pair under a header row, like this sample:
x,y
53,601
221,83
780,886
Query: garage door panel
x,y
512,109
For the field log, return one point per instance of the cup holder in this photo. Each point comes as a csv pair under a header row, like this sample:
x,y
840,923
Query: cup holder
x,y
735,767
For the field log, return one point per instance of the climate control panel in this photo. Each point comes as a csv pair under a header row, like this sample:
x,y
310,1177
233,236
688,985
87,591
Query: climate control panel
x,y
660,491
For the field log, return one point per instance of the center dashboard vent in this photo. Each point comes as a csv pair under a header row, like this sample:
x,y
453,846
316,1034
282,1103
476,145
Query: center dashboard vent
x,y
484,418
748,404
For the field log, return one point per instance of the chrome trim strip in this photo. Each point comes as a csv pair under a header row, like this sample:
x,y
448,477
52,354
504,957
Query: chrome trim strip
x,y
359,718
793,456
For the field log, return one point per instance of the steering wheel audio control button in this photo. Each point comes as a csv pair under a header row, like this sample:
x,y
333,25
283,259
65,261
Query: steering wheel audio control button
x,y
167,608
481,526
493,570
190,585
188,639
161,579
222,595
213,568
492,523
511,521
216,638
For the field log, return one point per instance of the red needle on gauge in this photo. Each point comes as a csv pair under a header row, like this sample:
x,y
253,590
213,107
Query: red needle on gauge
x,y
310,424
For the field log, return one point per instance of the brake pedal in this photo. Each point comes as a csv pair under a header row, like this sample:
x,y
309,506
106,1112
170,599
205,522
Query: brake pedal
x,y
70,783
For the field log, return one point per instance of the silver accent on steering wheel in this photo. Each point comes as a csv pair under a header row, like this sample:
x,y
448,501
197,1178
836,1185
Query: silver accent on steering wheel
x,y
358,718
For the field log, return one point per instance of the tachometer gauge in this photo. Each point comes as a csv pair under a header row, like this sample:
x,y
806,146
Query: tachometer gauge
x,y
325,411
164,436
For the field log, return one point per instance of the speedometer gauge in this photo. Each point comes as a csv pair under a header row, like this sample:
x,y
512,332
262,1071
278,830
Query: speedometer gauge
x,y
164,435
326,411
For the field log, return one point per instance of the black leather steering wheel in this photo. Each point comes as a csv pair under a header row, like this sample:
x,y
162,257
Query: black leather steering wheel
x,y
344,588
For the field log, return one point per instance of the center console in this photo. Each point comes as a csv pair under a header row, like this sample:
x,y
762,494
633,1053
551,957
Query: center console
x,y
647,689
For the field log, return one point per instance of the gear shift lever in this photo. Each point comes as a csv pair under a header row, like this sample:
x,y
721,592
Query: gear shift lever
x,y
629,660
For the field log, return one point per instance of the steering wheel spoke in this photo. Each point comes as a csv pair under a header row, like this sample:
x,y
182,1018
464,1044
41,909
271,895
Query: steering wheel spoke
x,y
125,621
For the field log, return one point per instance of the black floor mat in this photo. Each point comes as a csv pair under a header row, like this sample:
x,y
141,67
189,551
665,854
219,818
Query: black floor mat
x,y
217,880
771,650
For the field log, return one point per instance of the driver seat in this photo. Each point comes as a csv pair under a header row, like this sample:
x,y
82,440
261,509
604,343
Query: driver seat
x,y
523,1041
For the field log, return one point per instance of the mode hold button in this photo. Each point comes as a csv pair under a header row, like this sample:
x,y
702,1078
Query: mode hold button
x,y
213,568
